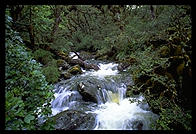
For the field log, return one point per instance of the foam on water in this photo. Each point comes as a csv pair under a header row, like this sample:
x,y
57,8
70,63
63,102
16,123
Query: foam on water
x,y
105,70
63,98
113,116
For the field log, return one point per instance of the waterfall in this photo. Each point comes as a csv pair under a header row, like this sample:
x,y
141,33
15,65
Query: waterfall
x,y
113,110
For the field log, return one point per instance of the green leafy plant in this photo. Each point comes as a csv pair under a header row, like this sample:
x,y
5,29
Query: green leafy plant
x,y
51,71
171,117
43,56
26,89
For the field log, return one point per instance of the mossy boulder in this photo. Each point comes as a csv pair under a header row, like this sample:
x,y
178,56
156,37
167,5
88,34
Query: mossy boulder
x,y
63,64
60,62
63,55
75,70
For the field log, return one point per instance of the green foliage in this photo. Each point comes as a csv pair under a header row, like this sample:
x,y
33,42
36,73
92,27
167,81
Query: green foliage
x,y
43,56
26,87
159,67
89,27
171,117
61,43
51,71
147,60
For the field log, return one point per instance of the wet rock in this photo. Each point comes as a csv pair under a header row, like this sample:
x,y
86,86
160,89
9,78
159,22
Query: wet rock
x,y
84,64
72,120
62,64
123,66
66,75
75,70
91,66
65,66
88,91
137,125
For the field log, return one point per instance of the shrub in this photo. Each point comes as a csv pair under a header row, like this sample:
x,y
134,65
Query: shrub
x,y
27,90
51,71
171,116
43,56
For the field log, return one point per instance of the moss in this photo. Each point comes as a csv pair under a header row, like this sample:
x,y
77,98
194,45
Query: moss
x,y
63,54
75,70
164,51
60,62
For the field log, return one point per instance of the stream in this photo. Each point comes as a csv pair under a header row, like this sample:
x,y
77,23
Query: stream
x,y
96,100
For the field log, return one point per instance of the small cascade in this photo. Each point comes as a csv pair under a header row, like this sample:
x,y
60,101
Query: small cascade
x,y
112,94
63,99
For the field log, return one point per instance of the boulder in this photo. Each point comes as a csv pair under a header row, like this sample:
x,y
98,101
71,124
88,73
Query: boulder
x,y
91,66
88,91
73,120
137,125
75,70
123,66
62,64
66,75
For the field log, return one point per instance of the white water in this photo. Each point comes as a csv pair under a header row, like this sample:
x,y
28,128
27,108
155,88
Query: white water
x,y
113,116
105,70
73,55
118,113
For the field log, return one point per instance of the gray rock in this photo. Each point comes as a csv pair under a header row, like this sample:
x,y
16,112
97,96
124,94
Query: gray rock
x,y
88,91
72,120
66,75
137,125
123,66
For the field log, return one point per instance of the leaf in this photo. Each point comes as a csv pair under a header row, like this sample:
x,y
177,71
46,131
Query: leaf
x,y
28,118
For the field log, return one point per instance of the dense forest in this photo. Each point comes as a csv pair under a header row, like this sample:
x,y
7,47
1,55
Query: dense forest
x,y
152,42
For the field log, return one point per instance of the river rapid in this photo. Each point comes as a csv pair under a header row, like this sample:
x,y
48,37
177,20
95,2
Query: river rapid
x,y
113,110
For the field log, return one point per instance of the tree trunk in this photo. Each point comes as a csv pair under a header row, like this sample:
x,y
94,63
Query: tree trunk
x,y
152,11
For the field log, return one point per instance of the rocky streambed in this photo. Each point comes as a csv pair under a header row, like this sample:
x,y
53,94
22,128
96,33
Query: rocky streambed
x,y
96,99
